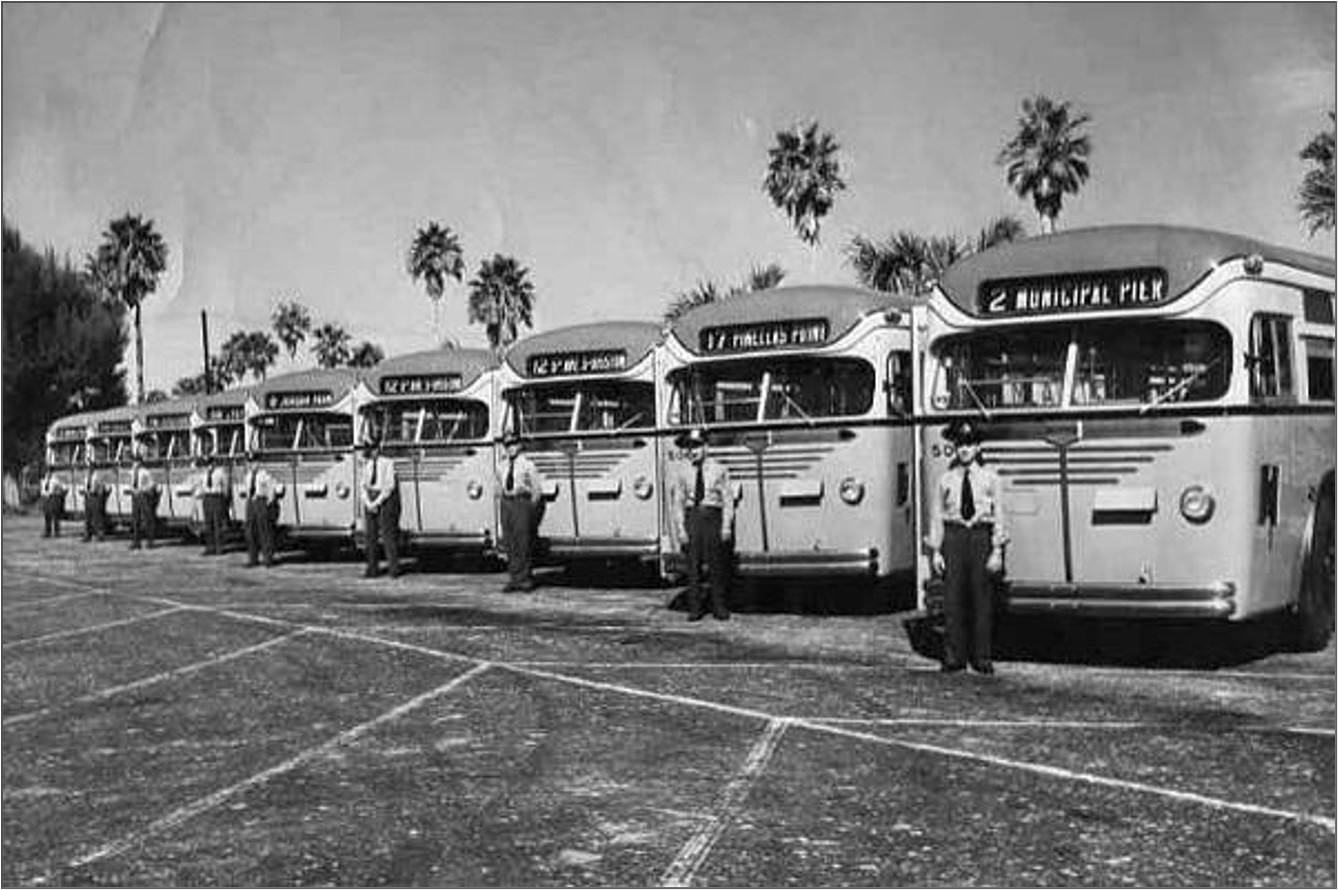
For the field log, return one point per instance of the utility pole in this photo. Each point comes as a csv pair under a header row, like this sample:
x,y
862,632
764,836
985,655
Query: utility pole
x,y
204,344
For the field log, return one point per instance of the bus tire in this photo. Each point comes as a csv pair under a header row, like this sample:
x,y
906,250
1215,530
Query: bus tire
x,y
1313,621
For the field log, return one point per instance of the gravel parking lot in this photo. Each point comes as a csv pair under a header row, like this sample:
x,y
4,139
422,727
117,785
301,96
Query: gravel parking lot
x,y
171,719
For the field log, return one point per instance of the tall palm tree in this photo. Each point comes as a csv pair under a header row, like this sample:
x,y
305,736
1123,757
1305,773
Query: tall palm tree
x,y
1000,230
125,268
908,263
332,345
434,256
292,324
1316,199
803,177
501,298
1047,158
248,352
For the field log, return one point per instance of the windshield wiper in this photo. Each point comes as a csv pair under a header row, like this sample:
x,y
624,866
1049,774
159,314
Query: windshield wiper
x,y
1180,387
971,391
793,404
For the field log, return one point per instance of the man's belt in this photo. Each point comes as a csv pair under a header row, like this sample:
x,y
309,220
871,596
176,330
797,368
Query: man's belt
x,y
974,526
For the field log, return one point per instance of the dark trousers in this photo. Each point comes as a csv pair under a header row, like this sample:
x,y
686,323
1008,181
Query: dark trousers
x,y
214,507
968,595
385,525
95,515
518,529
705,547
53,505
259,531
144,518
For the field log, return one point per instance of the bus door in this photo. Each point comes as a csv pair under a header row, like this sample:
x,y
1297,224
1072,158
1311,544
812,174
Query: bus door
x,y
1272,383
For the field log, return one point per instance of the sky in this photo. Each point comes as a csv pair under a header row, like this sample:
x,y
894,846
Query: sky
x,y
291,151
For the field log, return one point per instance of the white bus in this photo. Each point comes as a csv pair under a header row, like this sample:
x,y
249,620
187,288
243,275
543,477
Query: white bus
x,y
66,447
112,440
804,393
162,435
1159,403
583,400
218,428
433,412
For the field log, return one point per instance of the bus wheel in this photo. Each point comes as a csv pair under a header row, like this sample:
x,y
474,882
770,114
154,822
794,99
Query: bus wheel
x,y
1314,618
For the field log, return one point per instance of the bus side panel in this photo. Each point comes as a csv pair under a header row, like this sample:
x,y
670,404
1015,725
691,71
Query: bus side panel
x,y
434,491
326,487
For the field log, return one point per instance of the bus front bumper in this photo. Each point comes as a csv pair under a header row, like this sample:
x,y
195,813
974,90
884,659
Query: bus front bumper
x,y
601,548
317,534
1106,600
808,563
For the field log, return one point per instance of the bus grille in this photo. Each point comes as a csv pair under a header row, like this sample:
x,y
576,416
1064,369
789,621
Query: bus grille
x,y
778,462
432,467
310,472
1038,465
587,464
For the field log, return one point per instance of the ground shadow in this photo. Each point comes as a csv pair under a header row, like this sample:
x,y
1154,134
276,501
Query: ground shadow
x,y
815,596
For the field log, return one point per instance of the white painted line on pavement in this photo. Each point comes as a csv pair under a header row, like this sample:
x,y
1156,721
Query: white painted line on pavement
x,y
52,600
986,724
697,665
210,801
1076,776
148,681
693,854
32,641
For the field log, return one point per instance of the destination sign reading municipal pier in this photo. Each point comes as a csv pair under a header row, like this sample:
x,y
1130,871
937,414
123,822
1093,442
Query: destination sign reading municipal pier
x,y
560,364
420,384
1086,292
765,335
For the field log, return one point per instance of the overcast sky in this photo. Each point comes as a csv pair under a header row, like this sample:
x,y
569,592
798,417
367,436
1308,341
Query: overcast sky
x,y
290,151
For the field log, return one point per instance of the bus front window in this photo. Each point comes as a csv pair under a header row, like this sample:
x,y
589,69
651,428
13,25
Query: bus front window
x,y
325,431
787,389
617,405
1151,364
434,421
1015,369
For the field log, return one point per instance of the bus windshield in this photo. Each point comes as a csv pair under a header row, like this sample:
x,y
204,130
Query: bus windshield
x,y
593,406
430,421
66,453
304,432
751,390
223,441
1115,363
160,446
111,450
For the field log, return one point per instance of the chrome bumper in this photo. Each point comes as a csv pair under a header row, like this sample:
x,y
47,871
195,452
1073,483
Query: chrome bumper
x,y
1107,600
807,563
601,548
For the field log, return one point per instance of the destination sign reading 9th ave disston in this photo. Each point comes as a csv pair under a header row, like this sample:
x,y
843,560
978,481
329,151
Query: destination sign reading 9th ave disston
x,y
1076,293
593,361
160,421
298,399
225,412
420,384
788,333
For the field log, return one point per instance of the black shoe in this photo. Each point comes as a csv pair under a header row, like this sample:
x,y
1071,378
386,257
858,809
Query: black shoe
x,y
371,573
525,587
252,564
395,573
696,616
720,616
986,669
951,668
510,587
85,539
269,563
134,547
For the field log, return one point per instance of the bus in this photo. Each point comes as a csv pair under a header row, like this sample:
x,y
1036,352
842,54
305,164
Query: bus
x,y
804,394
583,400
112,440
1159,405
218,428
433,412
301,425
163,438
66,447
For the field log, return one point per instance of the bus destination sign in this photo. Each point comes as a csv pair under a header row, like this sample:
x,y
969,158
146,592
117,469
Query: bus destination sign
x,y
161,421
1069,294
789,333
225,412
114,426
421,384
298,400
594,361
71,432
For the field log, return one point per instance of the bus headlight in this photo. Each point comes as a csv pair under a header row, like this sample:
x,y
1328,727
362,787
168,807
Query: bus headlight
x,y
642,487
474,490
1197,504
341,490
852,490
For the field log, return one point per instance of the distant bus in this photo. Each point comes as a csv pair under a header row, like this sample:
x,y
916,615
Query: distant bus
x,y
583,400
218,428
804,393
433,413
163,437
1159,403
66,447
301,425
112,440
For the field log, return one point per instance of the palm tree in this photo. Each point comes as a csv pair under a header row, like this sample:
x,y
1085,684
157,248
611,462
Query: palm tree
x,y
248,352
331,344
434,256
1000,230
292,324
366,355
501,298
125,268
1316,199
764,277
803,177
759,278
907,263
1047,159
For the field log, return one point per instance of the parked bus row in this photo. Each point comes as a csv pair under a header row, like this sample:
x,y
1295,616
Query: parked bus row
x,y
1158,401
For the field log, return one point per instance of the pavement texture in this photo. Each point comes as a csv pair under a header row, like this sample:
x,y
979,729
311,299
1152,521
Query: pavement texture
x,y
176,720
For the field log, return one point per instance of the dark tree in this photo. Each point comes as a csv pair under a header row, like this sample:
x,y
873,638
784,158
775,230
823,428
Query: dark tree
x,y
366,355
125,268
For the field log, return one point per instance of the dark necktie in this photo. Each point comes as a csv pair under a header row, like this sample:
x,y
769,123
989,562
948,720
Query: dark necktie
x,y
968,497
252,493
375,461
699,491
511,476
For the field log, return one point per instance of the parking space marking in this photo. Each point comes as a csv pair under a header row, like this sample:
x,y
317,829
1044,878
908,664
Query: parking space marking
x,y
734,665
693,854
210,801
1075,776
986,724
52,600
149,681
62,634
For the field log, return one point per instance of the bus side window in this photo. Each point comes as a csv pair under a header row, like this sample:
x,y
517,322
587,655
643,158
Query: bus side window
x,y
898,383
1270,357
1318,368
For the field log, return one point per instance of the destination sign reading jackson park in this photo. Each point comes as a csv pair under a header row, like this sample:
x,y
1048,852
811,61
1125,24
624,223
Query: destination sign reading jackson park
x,y
595,361
290,401
1083,292
420,384
765,335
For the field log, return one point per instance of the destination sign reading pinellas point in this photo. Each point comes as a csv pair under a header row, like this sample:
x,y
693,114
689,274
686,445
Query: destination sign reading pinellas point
x,y
1073,294
789,333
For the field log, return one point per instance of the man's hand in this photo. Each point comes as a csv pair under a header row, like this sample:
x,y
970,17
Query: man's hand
x,y
937,563
994,565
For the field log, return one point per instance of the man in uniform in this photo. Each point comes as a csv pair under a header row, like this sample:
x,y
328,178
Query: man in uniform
x,y
95,501
53,503
214,492
144,504
381,509
261,494
520,488
701,500
966,542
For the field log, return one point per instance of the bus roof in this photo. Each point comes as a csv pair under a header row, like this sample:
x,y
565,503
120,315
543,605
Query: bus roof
x,y
337,380
123,415
236,396
81,420
466,364
1186,255
181,405
841,305
636,338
